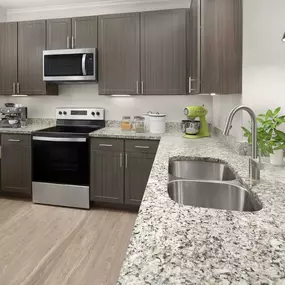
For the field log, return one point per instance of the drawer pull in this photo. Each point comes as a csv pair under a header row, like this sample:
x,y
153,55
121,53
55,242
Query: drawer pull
x,y
13,140
142,146
121,160
105,145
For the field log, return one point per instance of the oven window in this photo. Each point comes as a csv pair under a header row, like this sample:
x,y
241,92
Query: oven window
x,y
61,162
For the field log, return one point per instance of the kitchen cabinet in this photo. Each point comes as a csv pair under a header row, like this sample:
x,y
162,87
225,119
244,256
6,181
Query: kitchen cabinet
x,y
72,33
221,46
16,174
31,44
120,170
139,159
119,54
8,58
163,52
59,34
107,171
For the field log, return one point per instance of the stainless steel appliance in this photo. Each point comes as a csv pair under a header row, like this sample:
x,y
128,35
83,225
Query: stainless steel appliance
x,y
61,158
70,65
13,117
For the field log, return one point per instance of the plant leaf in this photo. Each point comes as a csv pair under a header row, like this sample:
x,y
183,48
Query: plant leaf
x,y
277,110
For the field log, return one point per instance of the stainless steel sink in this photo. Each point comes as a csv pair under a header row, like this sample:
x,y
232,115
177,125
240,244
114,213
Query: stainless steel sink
x,y
217,195
199,170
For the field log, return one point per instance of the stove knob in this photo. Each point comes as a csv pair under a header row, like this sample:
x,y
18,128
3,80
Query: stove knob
x,y
98,113
64,113
60,113
93,114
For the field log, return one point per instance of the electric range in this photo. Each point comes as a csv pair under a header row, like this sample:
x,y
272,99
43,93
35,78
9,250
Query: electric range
x,y
61,166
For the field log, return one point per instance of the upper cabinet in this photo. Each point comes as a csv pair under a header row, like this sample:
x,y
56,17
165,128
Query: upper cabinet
x,y
221,46
163,52
143,53
8,58
72,33
119,54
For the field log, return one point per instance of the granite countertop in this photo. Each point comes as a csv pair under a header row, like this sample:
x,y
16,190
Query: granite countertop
x,y
25,130
177,244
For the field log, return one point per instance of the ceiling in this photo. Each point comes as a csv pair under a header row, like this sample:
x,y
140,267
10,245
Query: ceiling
x,y
20,4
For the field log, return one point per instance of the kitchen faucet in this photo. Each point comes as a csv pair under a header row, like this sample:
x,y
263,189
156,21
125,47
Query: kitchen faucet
x,y
255,164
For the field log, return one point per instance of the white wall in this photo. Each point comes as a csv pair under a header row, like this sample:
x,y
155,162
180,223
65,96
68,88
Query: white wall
x,y
3,17
86,95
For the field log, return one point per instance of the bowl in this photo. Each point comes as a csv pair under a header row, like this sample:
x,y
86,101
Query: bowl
x,y
12,122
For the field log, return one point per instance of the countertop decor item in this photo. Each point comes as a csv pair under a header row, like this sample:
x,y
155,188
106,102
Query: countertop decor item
x,y
270,140
157,123
126,124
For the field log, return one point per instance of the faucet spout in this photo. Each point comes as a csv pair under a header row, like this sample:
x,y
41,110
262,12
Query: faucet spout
x,y
255,165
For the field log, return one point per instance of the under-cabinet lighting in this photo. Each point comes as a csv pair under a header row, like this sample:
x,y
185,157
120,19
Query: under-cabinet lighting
x,y
120,95
283,39
19,95
213,94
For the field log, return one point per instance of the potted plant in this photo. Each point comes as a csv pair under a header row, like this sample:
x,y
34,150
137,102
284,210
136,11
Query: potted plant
x,y
270,140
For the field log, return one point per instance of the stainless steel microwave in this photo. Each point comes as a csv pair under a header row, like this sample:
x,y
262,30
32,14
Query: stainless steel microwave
x,y
70,65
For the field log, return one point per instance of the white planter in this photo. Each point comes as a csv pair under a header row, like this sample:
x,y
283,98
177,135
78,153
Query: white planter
x,y
276,158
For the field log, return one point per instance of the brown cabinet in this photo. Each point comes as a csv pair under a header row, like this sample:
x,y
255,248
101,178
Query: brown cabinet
x,y
72,33
16,174
8,58
31,44
107,171
139,159
119,54
221,46
163,52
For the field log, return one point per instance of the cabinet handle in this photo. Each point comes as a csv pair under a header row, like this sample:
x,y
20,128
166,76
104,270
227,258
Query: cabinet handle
x,y
73,42
121,160
126,160
18,88
1,151
67,42
14,88
142,86
137,87
105,145
13,140
142,146
190,80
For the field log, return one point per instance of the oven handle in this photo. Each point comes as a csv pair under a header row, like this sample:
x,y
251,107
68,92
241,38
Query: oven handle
x,y
83,64
54,139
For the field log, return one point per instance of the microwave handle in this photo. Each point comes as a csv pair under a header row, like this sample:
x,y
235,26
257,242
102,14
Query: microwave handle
x,y
83,64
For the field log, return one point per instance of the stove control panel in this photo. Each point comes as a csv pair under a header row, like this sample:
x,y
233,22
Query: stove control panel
x,y
80,113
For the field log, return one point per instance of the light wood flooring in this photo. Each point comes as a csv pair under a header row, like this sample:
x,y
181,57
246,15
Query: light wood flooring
x,y
44,245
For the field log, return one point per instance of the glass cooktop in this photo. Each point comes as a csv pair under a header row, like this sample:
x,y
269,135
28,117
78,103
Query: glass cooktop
x,y
71,129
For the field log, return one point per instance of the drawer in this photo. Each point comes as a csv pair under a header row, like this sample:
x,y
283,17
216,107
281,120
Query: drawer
x,y
107,144
141,146
13,139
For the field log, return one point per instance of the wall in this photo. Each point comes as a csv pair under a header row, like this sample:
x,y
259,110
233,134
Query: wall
x,y
86,95
3,17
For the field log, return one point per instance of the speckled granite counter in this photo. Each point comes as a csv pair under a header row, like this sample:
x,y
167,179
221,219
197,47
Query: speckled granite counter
x,y
176,244
26,130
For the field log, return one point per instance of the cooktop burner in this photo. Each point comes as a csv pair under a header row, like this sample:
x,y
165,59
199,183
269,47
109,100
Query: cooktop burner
x,y
71,129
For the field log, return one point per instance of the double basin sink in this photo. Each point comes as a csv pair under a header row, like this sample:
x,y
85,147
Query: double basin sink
x,y
208,185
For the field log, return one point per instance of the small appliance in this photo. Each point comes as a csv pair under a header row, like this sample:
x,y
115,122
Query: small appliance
x,y
157,124
13,117
196,130
61,166
70,65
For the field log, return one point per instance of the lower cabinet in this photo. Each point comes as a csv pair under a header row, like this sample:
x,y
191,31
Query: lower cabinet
x,y
120,169
16,172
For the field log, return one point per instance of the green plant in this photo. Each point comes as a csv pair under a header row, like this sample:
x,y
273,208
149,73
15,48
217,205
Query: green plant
x,y
268,137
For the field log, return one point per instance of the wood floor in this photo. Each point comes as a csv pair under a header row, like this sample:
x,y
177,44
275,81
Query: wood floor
x,y
43,245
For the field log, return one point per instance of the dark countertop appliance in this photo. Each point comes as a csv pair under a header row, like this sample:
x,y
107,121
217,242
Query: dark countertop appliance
x,y
61,167
13,117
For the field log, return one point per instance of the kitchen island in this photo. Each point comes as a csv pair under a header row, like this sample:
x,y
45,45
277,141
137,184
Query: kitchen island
x,y
177,244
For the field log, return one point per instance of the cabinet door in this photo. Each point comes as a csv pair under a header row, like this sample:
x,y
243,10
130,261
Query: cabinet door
x,y
138,166
119,54
59,34
31,44
8,58
107,176
163,52
221,52
84,32
16,174
193,48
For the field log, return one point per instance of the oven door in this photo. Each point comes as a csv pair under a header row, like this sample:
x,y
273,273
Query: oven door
x,y
61,160
69,65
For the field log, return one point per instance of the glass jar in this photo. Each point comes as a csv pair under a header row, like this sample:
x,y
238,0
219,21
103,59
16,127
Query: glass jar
x,y
126,124
140,125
